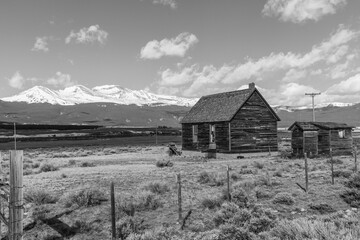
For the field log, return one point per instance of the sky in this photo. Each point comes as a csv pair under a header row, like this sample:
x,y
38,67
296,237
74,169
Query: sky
x,y
186,48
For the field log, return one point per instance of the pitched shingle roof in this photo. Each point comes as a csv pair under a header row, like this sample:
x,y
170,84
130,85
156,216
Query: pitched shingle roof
x,y
314,126
220,107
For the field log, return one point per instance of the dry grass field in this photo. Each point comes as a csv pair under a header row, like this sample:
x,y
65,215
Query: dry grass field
x,y
67,192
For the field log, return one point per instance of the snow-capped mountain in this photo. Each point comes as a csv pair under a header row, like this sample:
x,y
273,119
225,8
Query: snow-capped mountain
x,y
108,93
317,106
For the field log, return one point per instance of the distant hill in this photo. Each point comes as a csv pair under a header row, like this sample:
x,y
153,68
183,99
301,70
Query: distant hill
x,y
346,114
132,115
92,113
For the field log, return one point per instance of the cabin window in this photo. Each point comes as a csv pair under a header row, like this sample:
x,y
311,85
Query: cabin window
x,y
341,133
195,133
212,133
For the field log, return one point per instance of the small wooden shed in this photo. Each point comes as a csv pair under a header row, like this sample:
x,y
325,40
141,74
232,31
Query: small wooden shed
x,y
319,137
238,121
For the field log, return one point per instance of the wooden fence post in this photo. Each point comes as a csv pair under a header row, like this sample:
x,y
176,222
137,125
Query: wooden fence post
x,y
306,174
16,210
1,180
178,180
228,183
332,167
112,198
355,153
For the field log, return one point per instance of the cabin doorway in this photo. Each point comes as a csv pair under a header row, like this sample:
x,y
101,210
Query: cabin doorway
x,y
212,133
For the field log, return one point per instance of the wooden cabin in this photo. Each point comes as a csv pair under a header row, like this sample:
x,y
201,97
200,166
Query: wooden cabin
x,y
238,121
319,137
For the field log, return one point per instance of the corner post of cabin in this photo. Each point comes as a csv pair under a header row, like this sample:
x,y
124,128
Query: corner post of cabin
x,y
330,146
229,137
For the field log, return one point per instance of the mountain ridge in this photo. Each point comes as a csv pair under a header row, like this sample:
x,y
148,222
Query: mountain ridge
x,y
79,94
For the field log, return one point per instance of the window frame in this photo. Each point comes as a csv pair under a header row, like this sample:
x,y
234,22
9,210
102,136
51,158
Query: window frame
x,y
195,133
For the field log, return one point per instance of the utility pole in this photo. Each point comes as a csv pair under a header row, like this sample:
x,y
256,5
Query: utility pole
x,y
15,136
313,106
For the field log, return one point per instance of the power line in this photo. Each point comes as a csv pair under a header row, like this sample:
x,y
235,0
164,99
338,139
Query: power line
x,y
312,95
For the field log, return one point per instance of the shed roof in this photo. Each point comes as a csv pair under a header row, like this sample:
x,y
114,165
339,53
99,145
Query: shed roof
x,y
221,107
314,126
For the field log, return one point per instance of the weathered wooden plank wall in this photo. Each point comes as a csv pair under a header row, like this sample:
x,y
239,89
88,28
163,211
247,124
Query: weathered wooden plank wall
x,y
311,142
297,141
254,127
221,136
187,141
341,146
324,141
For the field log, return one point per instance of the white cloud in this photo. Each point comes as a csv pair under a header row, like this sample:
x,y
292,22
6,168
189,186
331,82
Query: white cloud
x,y
17,81
299,11
316,72
338,54
194,80
60,80
339,71
293,75
169,47
170,3
71,62
41,44
346,87
88,35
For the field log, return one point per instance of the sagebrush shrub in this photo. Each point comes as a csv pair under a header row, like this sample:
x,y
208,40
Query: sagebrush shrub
x,y
72,162
211,201
262,193
258,165
322,208
225,213
147,200
241,217
157,187
143,201
302,228
39,197
278,173
204,177
87,164
83,198
248,185
351,197
235,176
335,161
211,179
35,165
240,197
342,173
47,167
283,198
164,163
129,225
265,180
230,231
354,181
